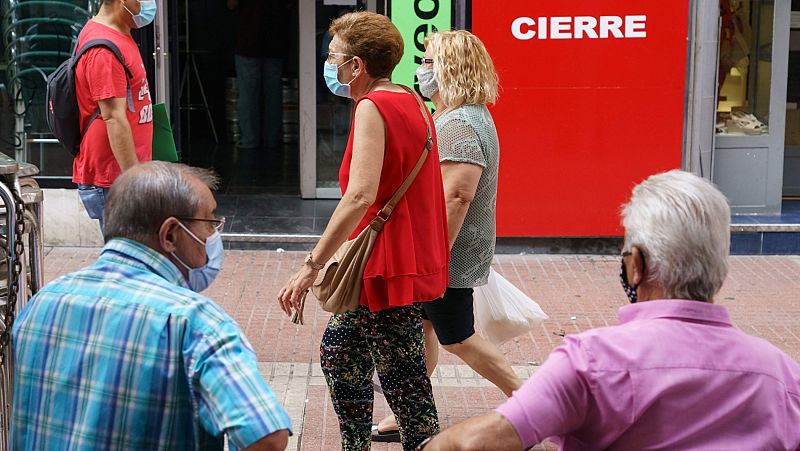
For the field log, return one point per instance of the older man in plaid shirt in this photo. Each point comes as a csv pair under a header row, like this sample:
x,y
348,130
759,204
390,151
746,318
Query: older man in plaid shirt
x,y
124,354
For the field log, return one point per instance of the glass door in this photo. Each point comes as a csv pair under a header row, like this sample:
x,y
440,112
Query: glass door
x,y
751,107
324,118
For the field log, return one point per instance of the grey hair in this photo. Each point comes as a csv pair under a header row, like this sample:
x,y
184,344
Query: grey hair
x,y
143,197
681,223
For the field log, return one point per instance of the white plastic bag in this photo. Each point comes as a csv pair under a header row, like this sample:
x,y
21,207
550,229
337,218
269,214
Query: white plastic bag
x,y
503,311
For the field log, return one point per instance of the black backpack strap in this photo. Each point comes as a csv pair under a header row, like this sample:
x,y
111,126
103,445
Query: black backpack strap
x,y
117,53
101,43
91,119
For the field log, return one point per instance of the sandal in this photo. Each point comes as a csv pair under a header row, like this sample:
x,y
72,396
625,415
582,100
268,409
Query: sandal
x,y
376,385
392,436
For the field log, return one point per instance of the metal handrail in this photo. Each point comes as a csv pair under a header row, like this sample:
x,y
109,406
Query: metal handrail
x,y
18,196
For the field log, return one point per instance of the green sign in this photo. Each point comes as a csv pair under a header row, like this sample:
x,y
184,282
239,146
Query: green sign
x,y
416,19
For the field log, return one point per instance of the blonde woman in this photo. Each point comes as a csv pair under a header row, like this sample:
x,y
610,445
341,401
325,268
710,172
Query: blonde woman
x,y
457,74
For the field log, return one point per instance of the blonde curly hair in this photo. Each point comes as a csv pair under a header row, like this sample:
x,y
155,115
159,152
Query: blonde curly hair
x,y
464,70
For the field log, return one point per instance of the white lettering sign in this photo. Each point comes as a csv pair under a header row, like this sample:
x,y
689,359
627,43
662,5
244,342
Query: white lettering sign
x,y
579,27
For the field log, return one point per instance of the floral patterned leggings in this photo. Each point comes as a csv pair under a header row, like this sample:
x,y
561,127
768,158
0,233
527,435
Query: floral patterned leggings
x,y
354,345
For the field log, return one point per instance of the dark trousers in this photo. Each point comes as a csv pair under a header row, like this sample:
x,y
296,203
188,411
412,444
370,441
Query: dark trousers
x,y
260,103
354,345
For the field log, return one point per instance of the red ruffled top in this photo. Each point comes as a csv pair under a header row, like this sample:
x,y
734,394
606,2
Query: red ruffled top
x,y
409,262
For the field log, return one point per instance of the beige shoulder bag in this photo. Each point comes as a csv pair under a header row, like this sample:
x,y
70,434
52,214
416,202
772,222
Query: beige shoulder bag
x,y
338,285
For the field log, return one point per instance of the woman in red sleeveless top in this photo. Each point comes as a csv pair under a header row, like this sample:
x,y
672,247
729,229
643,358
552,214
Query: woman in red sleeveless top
x,y
409,263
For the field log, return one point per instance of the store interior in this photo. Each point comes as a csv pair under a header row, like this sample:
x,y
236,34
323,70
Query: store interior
x,y
745,69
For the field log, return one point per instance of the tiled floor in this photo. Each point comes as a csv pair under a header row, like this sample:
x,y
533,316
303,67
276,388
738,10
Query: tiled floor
x,y
769,234
790,214
761,293
251,171
269,213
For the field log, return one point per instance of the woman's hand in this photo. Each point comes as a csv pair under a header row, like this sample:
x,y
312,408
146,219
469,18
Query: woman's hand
x,y
290,295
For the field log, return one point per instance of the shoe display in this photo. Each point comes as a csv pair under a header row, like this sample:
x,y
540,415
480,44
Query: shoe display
x,y
741,123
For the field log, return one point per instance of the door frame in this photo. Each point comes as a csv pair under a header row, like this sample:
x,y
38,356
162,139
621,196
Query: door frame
x,y
749,169
161,53
307,84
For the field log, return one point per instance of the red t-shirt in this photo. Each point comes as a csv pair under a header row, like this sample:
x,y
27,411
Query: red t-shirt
x,y
409,262
99,76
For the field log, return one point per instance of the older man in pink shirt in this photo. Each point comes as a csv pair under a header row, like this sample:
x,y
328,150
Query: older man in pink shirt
x,y
675,373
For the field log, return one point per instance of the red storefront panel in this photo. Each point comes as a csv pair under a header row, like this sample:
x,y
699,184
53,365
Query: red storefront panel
x,y
585,113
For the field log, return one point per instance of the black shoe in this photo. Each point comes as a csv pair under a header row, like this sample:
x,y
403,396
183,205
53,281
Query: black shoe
x,y
386,436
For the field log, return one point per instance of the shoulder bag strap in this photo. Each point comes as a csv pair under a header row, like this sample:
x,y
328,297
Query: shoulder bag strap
x,y
387,209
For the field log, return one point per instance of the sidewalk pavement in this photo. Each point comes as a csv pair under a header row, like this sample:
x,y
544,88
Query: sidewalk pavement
x,y
761,293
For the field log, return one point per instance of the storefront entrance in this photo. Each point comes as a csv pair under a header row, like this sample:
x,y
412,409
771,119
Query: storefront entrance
x,y
246,94
741,80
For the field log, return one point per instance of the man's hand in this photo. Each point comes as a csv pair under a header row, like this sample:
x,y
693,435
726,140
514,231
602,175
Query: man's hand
x,y
491,432
119,131
276,441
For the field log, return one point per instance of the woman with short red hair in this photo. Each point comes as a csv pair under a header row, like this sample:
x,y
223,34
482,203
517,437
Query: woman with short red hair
x,y
409,263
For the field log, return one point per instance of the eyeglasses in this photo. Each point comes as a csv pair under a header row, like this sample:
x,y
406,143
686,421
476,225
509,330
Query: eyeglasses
x,y
330,54
219,221
427,60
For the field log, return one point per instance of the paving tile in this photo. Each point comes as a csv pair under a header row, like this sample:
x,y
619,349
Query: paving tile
x,y
743,219
465,372
320,224
790,206
260,224
781,243
746,243
274,206
226,205
323,208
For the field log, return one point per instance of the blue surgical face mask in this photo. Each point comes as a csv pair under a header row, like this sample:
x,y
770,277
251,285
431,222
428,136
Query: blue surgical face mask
x,y
331,74
200,278
147,12
428,85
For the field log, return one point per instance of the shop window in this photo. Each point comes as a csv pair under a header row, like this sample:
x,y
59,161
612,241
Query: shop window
x,y
745,67
334,114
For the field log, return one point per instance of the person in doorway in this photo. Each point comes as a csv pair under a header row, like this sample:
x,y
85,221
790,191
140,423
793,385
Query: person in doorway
x,y
116,112
457,74
675,373
126,354
409,263
260,59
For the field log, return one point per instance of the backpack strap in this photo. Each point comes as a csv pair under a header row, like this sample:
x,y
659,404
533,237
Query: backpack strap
x,y
101,43
118,54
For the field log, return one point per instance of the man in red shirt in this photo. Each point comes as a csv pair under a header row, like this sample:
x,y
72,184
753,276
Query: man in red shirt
x,y
120,109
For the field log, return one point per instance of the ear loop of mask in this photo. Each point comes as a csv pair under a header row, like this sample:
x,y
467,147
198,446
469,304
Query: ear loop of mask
x,y
630,290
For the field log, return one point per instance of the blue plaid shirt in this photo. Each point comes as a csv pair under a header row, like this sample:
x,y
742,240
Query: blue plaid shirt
x,y
122,355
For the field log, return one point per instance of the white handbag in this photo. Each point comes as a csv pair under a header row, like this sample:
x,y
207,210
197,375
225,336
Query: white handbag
x,y
503,311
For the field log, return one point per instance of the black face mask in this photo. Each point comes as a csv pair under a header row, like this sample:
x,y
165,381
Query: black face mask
x,y
623,279
630,290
